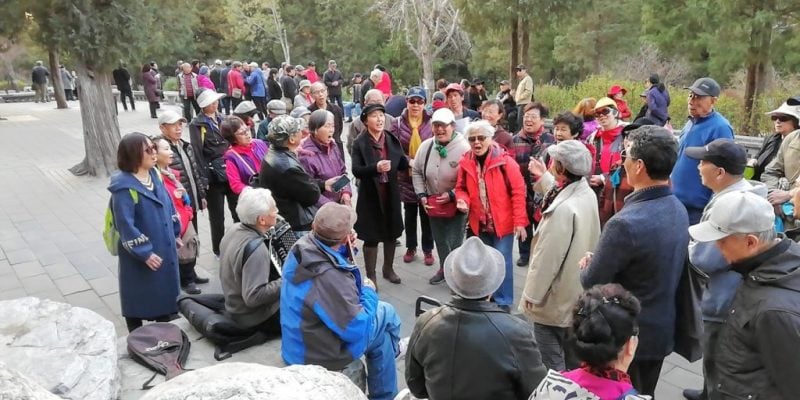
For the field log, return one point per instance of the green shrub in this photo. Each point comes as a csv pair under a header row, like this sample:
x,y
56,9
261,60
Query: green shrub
x,y
6,85
730,103
170,84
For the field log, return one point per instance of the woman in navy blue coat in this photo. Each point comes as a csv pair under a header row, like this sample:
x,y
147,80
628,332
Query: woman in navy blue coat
x,y
148,226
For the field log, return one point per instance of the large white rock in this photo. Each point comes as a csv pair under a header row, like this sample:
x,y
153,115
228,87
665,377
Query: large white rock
x,y
70,351
14,385
245,381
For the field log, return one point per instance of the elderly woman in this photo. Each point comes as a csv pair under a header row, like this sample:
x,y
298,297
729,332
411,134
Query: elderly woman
x,y
209,148
303,98
243,158
607,141
491,190
785,120
246,110
150,84
412,128
295,192
568,229
493,112
585,110
434,174
148,226
203,80
606,337
377,158
252,291
322,159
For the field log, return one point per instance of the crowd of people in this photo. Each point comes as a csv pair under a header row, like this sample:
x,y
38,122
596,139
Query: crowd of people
x,y
618,222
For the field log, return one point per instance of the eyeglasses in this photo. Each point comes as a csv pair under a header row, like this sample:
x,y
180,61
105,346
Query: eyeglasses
x,y
319,91
530,117
473,139
152,149
416,101
782,118
243,132
603,111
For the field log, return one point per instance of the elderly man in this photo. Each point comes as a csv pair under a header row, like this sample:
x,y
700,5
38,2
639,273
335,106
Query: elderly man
x,y
524,93
311,72
39,76
274,109
756,351
455,102
289,86
374,79
330,316
372,96
334,80
319,92
191,178
122,78
250,283
189,90
705,124
628,254
225,102
258,89
496,356
722,164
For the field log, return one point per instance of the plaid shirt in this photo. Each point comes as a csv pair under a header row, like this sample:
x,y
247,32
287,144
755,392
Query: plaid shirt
x,y
523,147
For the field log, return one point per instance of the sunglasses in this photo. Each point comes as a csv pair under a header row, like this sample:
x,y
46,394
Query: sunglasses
x,y
603,111
473,139
416,101
782,118
152,149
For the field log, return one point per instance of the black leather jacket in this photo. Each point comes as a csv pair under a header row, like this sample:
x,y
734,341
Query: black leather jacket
x,y
471,349
294,191
199,178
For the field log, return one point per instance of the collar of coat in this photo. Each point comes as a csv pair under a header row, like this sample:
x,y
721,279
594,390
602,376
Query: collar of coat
x,y
479,305
126,180
650,193
574,188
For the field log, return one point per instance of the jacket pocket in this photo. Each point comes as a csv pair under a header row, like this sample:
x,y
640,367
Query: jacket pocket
x,y
727,394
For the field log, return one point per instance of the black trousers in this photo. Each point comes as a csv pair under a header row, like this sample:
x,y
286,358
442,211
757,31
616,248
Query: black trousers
x,y
225,102
411,212
188,104
153,108
644,375
129,94
261,106
336,98
525,245
234,102
710,335
215,197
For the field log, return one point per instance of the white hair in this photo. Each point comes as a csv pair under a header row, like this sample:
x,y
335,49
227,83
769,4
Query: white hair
x,y
373,96
253,203
376,74
480,126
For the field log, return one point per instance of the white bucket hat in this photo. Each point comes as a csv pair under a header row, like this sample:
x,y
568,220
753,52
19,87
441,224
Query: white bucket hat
x,y
208,97
474,270
786,109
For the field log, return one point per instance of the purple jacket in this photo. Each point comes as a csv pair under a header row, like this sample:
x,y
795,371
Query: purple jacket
x,y
402,130
323,163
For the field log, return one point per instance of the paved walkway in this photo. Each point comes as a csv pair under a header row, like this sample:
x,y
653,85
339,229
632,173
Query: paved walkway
x,y
51,222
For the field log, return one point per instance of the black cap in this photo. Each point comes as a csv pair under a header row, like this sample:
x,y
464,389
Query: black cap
x,y
793,101
521,67
370,108
705,87
723,153
640,122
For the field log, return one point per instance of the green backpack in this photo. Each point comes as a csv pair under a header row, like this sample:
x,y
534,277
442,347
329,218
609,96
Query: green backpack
x,y
110,232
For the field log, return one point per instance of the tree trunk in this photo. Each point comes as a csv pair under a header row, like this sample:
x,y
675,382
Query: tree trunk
x,y
55,75
427,73
525,42
514,51
756,63
100,125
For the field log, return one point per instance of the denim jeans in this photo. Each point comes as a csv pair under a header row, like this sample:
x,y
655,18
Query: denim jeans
x,y
384,339
448,234
504,296
350,107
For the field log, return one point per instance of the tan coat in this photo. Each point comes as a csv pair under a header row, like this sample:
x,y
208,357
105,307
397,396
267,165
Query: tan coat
x,y
569,228
785,164
442,172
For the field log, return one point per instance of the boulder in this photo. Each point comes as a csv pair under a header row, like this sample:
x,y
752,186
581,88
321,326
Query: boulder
x,y
243,381
14,385
69,351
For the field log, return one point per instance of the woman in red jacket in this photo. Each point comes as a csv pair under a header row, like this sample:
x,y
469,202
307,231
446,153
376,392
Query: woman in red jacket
x,y
617,93
491,190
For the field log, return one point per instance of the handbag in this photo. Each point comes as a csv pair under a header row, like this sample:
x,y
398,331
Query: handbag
x,y
188,252
253,181
236,93
217,170
434,209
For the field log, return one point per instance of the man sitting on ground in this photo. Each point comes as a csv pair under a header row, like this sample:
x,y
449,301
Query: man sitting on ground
x,y
330,317
251,298
495,353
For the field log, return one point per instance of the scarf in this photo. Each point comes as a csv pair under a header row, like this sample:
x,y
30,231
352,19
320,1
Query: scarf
x,y
415,140
441,148
607,373
551,194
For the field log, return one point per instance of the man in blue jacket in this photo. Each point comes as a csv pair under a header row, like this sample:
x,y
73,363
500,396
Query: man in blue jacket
x,y
258,89
704,125
644,247
329,316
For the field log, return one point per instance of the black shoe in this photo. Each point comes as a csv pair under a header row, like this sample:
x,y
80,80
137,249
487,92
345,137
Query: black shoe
x,y
693,394
522,262
437,278
192,289
200,280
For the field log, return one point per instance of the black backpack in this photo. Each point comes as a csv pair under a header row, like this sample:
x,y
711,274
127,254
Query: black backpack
x,y
162,347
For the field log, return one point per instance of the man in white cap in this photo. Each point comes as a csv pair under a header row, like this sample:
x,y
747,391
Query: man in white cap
x,y
330,316
756,352
470,348
191,176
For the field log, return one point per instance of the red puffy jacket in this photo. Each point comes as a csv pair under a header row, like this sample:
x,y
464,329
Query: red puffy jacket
x,y
504,186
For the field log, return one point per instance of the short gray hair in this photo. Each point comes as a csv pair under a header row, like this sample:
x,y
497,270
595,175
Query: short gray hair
x,y
764,236
253,203
481,126
376,74
319,118
373,96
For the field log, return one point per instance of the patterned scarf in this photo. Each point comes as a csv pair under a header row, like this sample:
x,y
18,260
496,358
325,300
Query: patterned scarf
x,y
416,139
551,194
607,373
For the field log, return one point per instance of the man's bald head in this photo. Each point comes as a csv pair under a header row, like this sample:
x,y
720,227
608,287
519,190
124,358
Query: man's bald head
x,y
373,96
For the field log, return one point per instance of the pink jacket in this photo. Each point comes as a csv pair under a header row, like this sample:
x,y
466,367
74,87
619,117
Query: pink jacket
x,y
204,82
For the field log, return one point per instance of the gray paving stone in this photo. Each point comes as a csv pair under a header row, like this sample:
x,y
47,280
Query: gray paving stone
x,y
51,257
72,284
20,256
38,283
30,268
12,294
54,295
112,301
682,378
17,243
92,270
5,268
60,270
105,285
86,299
9,282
